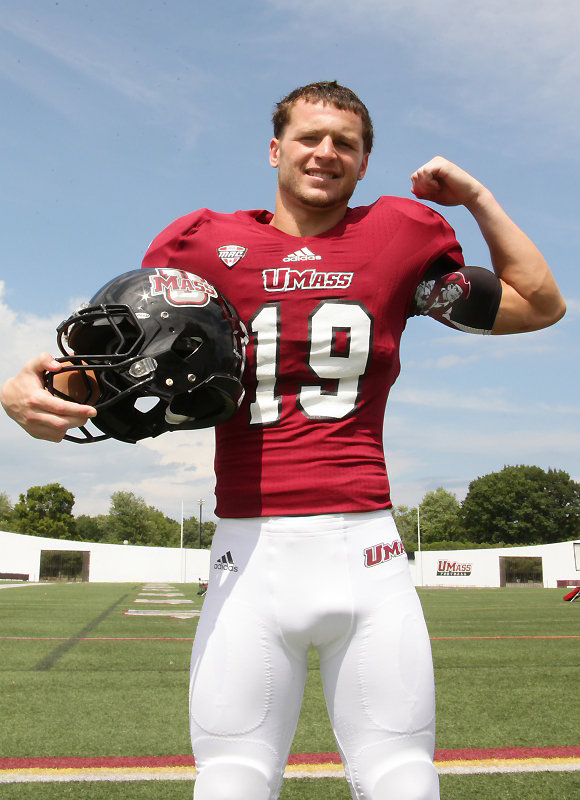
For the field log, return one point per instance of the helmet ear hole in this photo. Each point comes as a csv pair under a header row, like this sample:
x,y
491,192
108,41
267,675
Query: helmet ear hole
x,y
145,403
206,403
187,343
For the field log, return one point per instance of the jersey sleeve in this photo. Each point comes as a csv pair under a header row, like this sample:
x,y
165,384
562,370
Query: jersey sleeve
x,y
167,243
466,299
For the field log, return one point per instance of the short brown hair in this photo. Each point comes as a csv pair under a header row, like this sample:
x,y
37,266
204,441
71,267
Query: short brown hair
x,y
331,93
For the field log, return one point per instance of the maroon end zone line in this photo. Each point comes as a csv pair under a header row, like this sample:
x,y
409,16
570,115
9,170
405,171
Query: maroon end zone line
x,y
520,753
80,762
464,754
119,762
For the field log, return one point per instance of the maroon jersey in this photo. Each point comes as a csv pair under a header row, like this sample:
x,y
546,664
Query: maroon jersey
x,y
324,316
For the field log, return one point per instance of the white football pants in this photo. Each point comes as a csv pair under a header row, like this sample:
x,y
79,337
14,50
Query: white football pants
x,y
341,583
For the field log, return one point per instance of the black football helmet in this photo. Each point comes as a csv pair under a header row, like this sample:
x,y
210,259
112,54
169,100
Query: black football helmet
x,y
167,351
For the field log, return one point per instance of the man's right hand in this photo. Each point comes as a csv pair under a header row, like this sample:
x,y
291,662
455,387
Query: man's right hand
x,y
44,416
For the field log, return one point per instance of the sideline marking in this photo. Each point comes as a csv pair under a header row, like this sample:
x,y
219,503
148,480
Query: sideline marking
x,y
98,639
171,614
302,765
171,601
488,638
20,585
50,660
197,613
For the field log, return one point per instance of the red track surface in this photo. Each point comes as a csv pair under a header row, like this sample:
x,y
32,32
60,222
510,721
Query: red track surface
x,y
568,752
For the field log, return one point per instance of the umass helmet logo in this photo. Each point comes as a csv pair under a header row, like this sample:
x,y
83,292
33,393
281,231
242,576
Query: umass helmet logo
x,y
181,288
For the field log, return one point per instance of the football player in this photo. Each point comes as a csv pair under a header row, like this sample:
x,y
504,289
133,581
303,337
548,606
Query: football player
x,y
306,551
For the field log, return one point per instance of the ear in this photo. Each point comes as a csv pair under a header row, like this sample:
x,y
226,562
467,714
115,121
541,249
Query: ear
x,y
274,150
363,167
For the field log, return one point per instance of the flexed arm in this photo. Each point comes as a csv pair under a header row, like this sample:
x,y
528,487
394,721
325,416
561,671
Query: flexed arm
x,y
530,297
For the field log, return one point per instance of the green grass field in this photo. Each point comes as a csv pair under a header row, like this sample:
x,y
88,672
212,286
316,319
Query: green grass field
x,y
79,678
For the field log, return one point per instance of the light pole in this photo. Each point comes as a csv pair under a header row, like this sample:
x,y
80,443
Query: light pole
x,y
420,581
200,505
182,551
181,528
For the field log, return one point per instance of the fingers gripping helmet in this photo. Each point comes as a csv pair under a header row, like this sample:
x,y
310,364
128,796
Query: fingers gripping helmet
x,y
167,352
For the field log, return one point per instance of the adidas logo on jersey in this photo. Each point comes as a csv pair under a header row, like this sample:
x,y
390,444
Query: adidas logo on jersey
x,y
304,254
226,562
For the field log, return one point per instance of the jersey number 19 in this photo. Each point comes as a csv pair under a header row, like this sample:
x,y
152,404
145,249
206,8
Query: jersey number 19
x,y
339,346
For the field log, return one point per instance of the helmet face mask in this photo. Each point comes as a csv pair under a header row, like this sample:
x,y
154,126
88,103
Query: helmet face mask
x,y
166,350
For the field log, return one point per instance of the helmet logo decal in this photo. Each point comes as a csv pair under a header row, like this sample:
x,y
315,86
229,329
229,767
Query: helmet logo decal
x,y
181,288
230,254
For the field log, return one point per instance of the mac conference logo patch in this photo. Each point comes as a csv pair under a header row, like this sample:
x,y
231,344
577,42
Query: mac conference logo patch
x,y
230,254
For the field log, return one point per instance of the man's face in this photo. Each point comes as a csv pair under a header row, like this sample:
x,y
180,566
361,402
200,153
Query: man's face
x,y
319,156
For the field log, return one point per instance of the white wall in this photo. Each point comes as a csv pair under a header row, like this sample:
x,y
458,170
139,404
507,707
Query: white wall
x,y
121,563
481,568
108,562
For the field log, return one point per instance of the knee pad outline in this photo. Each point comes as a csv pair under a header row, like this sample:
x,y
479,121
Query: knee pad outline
x,y
415,779
228,779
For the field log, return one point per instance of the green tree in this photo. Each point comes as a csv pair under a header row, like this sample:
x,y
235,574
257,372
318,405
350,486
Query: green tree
x,y
167,533
6,513
406,522
46,511
440,517
91,529
131,520
522,505
191,533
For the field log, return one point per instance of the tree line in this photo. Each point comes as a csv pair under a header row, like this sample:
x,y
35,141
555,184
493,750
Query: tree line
x,y
47,511
518,505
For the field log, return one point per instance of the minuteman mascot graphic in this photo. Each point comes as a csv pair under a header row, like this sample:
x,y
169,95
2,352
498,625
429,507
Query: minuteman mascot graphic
x,y
437,297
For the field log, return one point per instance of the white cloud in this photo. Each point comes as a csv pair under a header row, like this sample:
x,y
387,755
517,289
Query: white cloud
x,y
459,349
451,455
453,361
23,335
178,450
504,62
519,444
521,32
188,471
483,400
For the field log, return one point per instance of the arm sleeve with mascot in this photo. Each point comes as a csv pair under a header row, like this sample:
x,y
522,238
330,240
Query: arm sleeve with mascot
x,y
465,298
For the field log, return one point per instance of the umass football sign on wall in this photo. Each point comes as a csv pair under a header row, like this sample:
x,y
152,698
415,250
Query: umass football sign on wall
x,y
453,569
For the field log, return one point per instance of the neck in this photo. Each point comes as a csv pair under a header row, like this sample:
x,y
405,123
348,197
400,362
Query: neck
x,y
307,221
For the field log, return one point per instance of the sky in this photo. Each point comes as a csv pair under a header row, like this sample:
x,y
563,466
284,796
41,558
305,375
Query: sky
x,y
119,117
